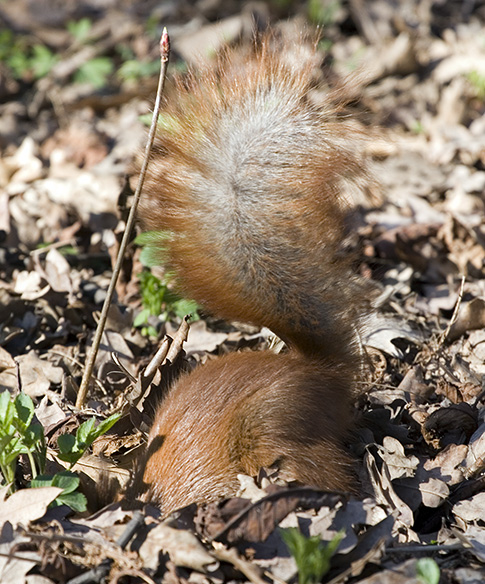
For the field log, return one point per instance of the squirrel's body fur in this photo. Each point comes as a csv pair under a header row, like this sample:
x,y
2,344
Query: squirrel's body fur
x,y
248,178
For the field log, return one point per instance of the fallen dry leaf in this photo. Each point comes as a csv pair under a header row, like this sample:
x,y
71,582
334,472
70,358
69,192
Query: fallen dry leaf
x,y
27,505
182,546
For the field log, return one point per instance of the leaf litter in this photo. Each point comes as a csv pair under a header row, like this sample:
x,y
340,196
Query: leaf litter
x,y
66,147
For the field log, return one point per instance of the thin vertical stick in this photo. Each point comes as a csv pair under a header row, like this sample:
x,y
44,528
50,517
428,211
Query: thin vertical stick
x,y
88,369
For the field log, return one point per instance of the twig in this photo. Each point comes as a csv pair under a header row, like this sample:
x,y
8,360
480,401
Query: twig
x,y
57,244
417,549
131,528
230,555
83,389
157,359
99,573
178,340
78,363
454,316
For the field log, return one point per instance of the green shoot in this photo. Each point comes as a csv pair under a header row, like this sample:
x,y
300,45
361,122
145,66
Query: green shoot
x,y
158,299
72,447
132,69
95,72
427,571
19,435
311,555
80,29
25,61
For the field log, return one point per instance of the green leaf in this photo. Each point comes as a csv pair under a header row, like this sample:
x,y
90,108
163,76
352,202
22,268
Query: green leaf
x,y
152,292
5,442
80,29
76,501
66,443
88,432
323,13
42,60
149,331
152,237
478,81
154,244
105,425
151,256
68,481
18,435
145,119
428,571
311,556
73,447
7,410
83,433
183,307
133,69
19,63
141,318
95,72
34,435
24,407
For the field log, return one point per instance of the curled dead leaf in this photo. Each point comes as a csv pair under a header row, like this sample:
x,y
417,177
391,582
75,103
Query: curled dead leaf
x,y
471,316
450,425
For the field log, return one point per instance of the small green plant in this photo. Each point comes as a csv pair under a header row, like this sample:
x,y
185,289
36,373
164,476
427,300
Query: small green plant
x,y
132,69
323,12
42,60
72,447
19,434
156,296
69,483
311,555
25,61
427,571
152,295
95,72
80,29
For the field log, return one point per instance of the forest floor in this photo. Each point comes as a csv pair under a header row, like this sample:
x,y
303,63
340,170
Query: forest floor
x,y
77,84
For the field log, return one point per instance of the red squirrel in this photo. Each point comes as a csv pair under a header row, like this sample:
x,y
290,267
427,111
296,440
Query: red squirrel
x,y
248,178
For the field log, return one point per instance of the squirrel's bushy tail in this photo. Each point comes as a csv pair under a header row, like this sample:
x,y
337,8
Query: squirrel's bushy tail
x,y
249,177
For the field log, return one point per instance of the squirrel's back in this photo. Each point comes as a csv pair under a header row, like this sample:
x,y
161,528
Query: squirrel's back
x,y
248,179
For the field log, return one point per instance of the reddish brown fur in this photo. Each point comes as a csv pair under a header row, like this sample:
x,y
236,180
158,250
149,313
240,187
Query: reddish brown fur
x,y
248,179
240,413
